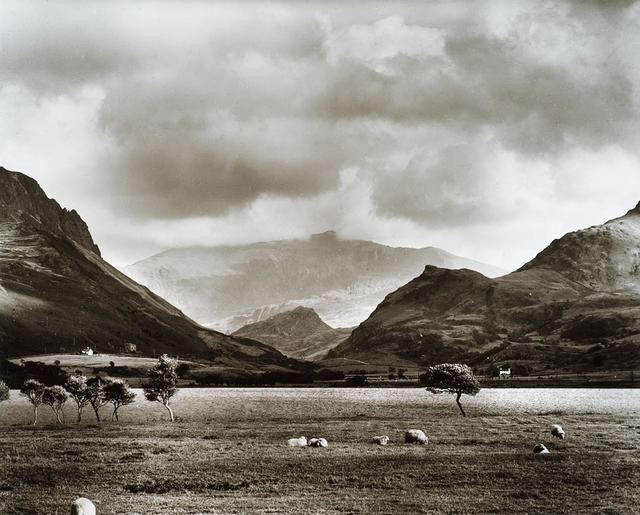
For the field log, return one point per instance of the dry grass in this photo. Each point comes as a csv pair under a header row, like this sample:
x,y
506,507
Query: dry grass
x,y
228,455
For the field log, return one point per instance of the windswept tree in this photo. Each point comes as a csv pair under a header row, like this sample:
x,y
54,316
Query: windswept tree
x,y
55,397
451,378
162,384
78,391
33,391
95,394
118,393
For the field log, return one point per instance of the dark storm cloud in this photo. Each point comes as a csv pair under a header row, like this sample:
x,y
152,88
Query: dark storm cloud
x,y
178,154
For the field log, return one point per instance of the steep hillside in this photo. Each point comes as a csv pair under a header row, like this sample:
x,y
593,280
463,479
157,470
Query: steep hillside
x,y
574,307
342,280
299,333
57,293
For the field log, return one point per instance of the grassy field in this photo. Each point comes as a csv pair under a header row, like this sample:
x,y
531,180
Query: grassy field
x,y
227,453
70,361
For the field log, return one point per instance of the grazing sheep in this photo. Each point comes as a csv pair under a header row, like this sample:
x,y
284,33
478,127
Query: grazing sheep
x,y
381,440
318,442
540,449
297,442
415,436
83,506
557,431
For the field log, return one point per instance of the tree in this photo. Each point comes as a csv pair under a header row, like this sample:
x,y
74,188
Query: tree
x,y
118,393
451,378
95,394
5,393
493,371
78,391
55,397
33,391
162,384
359,380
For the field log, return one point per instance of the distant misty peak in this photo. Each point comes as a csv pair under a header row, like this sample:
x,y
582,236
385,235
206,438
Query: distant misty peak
x,y
343,280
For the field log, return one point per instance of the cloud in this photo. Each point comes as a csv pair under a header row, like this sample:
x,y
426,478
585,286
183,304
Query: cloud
x,y
461,185
383,40
448,117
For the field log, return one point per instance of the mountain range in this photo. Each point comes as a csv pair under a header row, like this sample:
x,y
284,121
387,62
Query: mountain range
x,y
574,307
227,287
58,294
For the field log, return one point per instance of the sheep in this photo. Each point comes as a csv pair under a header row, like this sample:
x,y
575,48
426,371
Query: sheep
x,y
83,506
381,440
318,442
415,436
557,431
297,442
540,449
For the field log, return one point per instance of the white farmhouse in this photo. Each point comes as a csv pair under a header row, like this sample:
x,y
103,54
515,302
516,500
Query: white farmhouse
x,y
505,372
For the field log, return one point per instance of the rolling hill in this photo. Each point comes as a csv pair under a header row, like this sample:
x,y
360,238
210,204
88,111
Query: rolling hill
x,y
299,333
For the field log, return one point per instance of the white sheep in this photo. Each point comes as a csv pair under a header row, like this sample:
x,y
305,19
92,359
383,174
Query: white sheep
x,y
557,431
381,440
415,436
318,442
297,442
540,449
83,506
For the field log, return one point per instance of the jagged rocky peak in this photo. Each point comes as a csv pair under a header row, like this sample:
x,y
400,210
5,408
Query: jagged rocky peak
x,y
22,199
635,211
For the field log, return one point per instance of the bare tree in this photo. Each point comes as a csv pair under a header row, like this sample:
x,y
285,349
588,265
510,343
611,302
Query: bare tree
x,y
78,391
95,394
33,391
451,378
118,393
162,384
55,397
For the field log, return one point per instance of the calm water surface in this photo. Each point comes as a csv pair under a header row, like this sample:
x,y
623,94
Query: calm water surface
x,y
233,404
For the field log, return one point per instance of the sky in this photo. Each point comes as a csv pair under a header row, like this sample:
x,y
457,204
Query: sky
x,y
486,128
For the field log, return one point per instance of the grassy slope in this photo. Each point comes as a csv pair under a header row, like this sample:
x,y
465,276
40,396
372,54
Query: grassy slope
x,y
231,458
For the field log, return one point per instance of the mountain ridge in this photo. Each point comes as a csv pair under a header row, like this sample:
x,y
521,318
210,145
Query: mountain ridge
x,y
56,292
574,306
227,287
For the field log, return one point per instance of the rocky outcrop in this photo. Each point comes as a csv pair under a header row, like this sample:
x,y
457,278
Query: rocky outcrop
x,y
22,199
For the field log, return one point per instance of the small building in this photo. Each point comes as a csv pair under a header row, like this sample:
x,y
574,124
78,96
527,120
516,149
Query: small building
x,y
505,372
88,351
129,347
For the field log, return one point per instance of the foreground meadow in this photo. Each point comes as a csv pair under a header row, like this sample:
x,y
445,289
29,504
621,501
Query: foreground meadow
x,y
227,453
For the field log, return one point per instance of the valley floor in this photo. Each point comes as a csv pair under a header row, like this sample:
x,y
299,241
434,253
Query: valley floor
x,y
227,454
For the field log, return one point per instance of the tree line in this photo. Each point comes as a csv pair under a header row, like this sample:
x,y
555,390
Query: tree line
x,y
97,392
